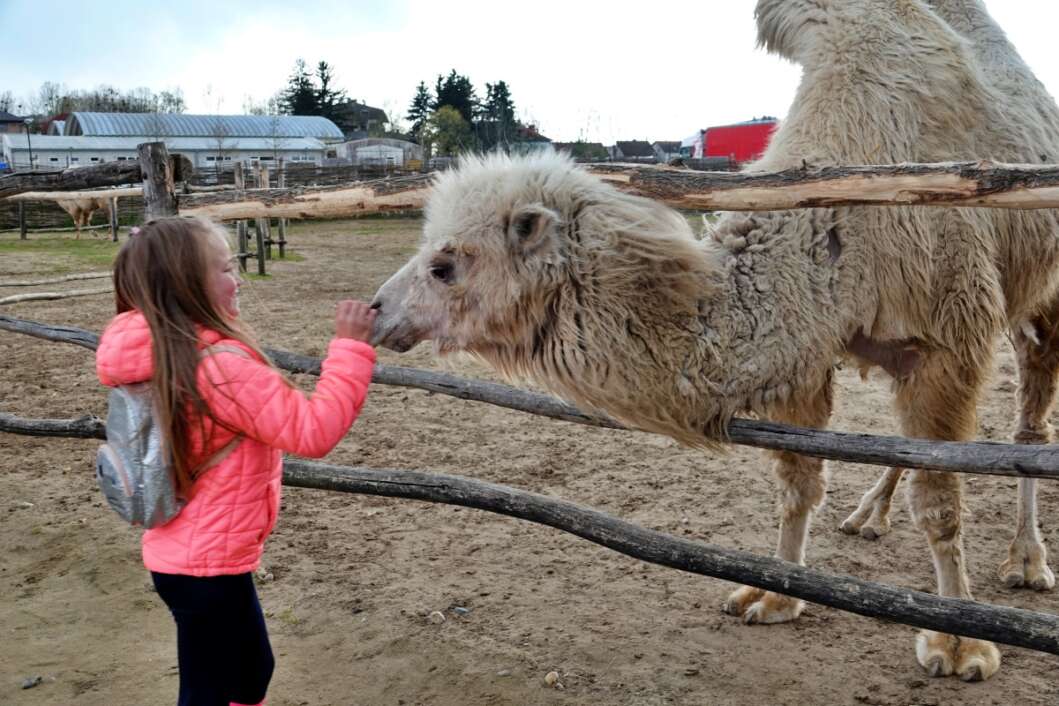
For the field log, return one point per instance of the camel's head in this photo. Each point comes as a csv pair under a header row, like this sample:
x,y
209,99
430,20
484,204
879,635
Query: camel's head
x,y
494,246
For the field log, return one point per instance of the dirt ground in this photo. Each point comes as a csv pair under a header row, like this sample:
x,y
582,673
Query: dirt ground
x,y
350,581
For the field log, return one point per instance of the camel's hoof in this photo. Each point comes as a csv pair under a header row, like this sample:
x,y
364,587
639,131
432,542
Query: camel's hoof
x,y
871,527
758,607
1027,566
944,655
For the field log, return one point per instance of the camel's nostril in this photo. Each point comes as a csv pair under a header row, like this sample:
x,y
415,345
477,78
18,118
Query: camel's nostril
x,y
376,304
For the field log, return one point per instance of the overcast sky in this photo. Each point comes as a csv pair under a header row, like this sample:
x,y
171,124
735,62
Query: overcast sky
x,y
578,69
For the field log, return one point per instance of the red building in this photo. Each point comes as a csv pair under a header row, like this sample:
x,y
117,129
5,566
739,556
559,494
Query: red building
x,y
739,143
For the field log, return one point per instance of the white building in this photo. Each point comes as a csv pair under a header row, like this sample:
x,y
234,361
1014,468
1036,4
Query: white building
x,y
380,151
204,152
206,140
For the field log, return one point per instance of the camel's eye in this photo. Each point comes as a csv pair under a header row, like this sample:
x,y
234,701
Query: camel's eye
x,y
442,271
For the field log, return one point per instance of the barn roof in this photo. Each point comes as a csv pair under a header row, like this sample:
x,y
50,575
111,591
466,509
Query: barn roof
x,y
6,117
179,125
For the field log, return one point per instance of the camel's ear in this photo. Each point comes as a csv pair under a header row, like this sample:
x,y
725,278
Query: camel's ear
x,y
531,229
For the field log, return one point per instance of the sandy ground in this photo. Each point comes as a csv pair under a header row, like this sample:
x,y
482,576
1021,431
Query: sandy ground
x,y
353,579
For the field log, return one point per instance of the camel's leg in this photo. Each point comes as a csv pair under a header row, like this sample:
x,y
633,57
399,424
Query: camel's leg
x,y
871,519
802,486
938,402
1027,562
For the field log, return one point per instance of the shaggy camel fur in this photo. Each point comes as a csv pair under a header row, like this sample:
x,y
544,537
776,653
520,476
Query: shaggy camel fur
x,y
81,211
549,274
1028,104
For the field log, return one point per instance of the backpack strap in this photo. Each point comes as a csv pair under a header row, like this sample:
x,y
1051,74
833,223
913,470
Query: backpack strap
x,y
230,446
222,453
211,350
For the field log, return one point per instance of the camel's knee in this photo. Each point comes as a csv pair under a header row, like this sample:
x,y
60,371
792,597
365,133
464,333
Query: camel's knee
x,y
936,503
803,484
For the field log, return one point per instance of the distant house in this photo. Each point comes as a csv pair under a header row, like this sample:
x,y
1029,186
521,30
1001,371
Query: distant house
x,y
357,120
583,151
632,151
665,151
380,151
527,139
11,123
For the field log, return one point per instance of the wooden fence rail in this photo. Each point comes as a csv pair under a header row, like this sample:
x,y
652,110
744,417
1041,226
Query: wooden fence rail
x,y
944,184
984,184
988,458
1010,626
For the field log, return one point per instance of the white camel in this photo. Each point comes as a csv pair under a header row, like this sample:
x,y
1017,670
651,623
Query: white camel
x,y
547,273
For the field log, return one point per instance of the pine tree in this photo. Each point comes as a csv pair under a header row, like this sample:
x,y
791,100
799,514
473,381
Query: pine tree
x,y
326,96
301,96
420,109
457,92
497,124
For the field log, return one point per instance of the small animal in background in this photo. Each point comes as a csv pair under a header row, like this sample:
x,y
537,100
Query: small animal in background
x,y
81,211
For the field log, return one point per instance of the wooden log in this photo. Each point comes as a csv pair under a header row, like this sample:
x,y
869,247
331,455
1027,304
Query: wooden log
x,y
945,184
68,195
113,213
55,280
22,230
980,457
105,174
159,189
1011,626
46,296
399,194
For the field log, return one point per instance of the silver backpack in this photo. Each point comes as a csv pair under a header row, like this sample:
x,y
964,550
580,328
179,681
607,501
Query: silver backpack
x,y
133,468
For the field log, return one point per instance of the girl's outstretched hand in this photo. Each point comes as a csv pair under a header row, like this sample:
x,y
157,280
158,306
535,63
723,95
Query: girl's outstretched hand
x,y
354,319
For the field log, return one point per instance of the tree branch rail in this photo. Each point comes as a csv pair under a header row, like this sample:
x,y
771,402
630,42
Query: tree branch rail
x,y
1010,626
982,457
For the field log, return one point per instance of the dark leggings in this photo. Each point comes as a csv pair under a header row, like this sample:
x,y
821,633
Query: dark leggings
x,y
222,642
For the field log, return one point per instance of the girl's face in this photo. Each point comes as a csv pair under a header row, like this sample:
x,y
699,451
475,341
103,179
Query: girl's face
x,y
223,277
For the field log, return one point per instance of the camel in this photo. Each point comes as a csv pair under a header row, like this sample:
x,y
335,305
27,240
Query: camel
x,y
82,210
1028,103
608,300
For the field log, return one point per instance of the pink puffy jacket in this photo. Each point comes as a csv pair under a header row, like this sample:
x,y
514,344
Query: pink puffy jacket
x,y
232,506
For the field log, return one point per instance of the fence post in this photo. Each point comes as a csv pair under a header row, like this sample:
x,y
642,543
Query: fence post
x,y
114,219
240,226
21,220
281,182
266,222
159,192
260,246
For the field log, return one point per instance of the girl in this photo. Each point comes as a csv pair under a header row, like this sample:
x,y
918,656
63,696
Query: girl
x,y
227,414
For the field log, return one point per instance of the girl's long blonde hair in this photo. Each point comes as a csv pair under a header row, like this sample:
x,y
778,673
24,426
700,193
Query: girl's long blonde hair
x,y
162,271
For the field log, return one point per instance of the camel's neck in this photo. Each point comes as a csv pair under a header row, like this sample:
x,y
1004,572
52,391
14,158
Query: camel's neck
x,y
681,349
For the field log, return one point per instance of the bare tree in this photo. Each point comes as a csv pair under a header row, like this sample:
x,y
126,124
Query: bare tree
x,y
220,136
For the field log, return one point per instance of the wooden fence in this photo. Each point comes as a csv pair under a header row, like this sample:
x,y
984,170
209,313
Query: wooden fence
x,y
1038,631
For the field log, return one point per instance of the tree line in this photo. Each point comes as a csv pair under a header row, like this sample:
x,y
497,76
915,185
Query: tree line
x,y
448,119
453,119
